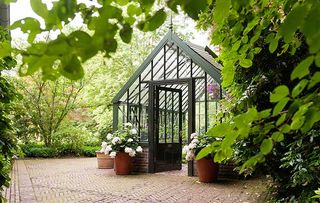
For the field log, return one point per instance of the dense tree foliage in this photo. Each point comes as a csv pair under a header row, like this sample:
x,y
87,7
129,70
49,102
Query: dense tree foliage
x,y
7,96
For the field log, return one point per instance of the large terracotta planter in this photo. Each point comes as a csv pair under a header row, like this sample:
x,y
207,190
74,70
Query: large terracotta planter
x,y
207,170
104,161
123,163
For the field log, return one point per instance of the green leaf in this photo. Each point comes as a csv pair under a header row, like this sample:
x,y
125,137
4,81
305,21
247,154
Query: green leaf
x,y
71,68
126,33
194,8
279,93
122,2
203,153
39,8
312,116
310,28
317,59
299,88
59,47
302,69
273,45
266,146
292,22
285,128
133,10
281,119
221,10
110,45
28,25
297,123
280,106
146,4
264,114
153,22
315,79
277,136
246,63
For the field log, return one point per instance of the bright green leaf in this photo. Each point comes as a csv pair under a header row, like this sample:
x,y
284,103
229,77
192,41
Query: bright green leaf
x,y
299,88
221,10
280,106
315,79
281,119
302,69
279,93
204,152
246,63
266,146
277,136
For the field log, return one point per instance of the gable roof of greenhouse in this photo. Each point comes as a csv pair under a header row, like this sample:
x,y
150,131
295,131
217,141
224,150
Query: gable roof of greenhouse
x,y
203,57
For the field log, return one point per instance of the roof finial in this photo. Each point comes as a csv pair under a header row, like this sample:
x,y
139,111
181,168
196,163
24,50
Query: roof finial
x,y
171,24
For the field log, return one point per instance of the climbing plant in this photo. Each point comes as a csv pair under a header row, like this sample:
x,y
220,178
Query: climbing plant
x,y
7,95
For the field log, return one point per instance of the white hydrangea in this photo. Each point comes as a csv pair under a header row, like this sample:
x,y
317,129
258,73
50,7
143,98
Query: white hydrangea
x,y
133,131
108,149
113,154
103,146
139,149
132,153
193,135
192,145
130,140
109,136
116,140
195,140
127,150
185,149
128,125
190,156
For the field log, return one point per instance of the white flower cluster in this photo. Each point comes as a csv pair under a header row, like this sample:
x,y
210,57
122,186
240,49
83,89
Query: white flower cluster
x,y
105,148
113,154
132,152
189,150
116,140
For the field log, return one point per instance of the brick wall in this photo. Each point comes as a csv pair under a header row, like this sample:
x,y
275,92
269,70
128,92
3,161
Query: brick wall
x,y
141,161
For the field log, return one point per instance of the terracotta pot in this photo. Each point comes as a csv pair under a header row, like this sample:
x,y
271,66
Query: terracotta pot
x,y
207,170
104,161
123,163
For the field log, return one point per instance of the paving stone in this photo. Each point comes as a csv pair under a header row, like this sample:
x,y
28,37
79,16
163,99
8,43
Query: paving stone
x,y
79,180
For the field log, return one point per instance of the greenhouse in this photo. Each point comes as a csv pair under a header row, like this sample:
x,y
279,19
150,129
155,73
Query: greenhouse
x,y
174,93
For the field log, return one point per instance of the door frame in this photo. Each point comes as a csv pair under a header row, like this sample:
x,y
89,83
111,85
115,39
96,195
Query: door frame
x,y
151,118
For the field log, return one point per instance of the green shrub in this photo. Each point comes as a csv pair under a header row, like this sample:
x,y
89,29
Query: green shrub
x,y
38,150
89,151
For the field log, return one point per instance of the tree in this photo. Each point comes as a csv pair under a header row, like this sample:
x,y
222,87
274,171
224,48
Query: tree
x,y
45,105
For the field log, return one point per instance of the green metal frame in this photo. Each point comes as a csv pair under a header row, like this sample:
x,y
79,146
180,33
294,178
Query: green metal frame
x,y
211,68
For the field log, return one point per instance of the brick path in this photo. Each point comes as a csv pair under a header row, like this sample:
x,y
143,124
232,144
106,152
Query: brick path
x,y
79,180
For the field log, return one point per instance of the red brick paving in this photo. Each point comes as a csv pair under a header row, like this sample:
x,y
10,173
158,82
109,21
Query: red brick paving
x,y
79,180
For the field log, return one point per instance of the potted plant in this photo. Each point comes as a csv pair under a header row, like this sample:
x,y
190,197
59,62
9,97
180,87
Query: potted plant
x,y
103,158
124,146
207,169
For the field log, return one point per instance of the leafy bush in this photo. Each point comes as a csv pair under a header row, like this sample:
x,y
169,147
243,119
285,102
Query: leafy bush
x,y
38,150
89,151
41,151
